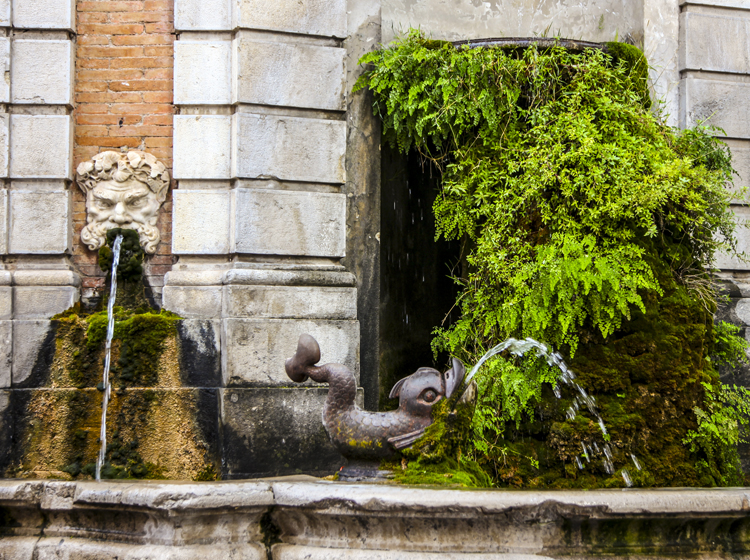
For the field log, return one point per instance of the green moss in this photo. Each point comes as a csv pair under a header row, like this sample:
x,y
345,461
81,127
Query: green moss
x,y
207,474
449,472
635,61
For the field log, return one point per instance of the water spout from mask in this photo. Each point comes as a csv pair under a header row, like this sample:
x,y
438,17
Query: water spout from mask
x,y
108,354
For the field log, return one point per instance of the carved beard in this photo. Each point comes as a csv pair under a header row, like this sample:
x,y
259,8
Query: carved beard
x,y
94,235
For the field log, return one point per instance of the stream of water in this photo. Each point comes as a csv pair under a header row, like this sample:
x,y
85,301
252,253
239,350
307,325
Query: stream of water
x,y
582,398
108,354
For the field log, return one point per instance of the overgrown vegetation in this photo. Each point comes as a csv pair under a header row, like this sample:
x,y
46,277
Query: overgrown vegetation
x,y
588,224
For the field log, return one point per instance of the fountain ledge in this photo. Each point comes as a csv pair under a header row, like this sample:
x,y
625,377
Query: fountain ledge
x,y
297,518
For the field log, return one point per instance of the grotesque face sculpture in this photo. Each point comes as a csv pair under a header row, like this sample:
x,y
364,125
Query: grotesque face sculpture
x,y
122,191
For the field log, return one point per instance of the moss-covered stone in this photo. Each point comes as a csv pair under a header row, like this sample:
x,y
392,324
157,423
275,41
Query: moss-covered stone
x,y
156,428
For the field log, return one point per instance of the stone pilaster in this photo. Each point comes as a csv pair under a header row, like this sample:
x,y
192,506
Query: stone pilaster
x,y
262,218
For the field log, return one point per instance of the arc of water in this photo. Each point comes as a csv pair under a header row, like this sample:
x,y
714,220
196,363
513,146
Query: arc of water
x,y
108,354
519,348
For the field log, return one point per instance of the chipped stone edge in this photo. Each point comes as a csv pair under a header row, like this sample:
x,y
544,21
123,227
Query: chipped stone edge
x,y
309,493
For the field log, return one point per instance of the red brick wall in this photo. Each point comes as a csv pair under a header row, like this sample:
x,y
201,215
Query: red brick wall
x,y
123,96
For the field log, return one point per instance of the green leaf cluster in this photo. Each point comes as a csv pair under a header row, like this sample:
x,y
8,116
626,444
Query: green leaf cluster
x,y
722,421
571,195
561,179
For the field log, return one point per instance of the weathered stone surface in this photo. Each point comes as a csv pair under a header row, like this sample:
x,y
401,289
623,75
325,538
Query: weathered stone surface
x,y
39,222
6,303
4,66
40,146
201,222
293,75
593,20
42,302
3,222
290,148
6,363
41,72
290,302
202,146
312,17
296,552
290,223
725,262
741,4
55,277
726,104
364,193
266,277
4,13
254,350
197,277
305,517
715,42
33,350
193,302
740,162
202,15
79,549
275,431
200,352
44,14
202,73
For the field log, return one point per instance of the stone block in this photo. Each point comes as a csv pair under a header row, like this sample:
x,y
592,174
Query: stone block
x,y
5,67
4,13
202,72
272,222
714,42
39,222
202,15
6,355
292,75
276,431
6,303
726,262
290,302
37,277
4,144
740,162
42,302
33,351
254,350
201,222
40,146
201,302
312,17
288,148
41,72
3,221
202,146
6,446
199,342
722,104
44,14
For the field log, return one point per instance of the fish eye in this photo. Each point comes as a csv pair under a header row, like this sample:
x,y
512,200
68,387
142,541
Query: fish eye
x,y
428,395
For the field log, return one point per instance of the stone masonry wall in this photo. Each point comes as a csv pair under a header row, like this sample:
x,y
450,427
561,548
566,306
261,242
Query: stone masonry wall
x,y
123,94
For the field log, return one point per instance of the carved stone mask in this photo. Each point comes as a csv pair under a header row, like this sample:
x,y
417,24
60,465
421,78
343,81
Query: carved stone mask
x,y
122,191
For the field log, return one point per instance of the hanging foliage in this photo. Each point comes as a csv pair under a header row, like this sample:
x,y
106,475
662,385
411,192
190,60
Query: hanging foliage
x,y
587,221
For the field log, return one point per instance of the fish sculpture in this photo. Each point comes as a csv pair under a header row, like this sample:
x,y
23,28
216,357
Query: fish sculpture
x,y
362,435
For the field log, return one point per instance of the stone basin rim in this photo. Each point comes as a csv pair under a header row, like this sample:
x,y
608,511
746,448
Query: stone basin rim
x,y
308,492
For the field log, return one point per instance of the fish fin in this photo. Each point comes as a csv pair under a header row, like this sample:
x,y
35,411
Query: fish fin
x,y
405,440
